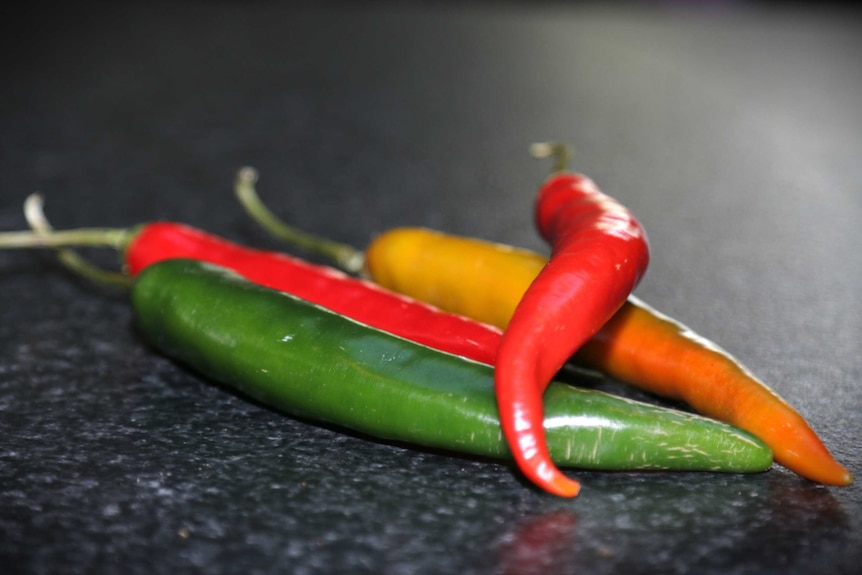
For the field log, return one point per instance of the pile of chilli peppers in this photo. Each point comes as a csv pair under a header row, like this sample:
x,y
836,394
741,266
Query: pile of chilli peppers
x,y
454,343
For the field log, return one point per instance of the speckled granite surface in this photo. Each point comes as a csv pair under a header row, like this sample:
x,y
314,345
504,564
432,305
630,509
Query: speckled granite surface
x,y
732,132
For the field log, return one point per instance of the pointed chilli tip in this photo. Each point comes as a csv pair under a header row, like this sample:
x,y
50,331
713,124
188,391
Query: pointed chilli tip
x,y
810,459
565,487
841,477
551,479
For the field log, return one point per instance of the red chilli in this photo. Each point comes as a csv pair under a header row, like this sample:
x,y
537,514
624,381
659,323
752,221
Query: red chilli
x,y
599,254
360,300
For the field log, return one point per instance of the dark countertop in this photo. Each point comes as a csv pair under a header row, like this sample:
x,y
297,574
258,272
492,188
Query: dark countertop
x,y
733,131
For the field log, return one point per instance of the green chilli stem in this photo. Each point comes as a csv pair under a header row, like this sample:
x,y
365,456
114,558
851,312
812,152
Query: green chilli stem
x,y
345,256
559,151
84,237
44,236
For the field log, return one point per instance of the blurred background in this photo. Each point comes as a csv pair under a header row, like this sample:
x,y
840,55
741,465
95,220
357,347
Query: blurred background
x,y
732,129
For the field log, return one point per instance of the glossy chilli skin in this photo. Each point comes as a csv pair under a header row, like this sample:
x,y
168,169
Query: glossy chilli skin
x,y
326,286
471,277
686,366
599,254
310,362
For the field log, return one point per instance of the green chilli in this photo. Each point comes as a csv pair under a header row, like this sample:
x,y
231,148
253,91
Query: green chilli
x,y
309,362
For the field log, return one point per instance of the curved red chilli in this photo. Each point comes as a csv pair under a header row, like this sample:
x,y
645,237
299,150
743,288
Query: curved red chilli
x,y
599,254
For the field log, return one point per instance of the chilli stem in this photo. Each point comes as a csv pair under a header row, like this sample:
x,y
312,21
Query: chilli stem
x,y
345,256
559,151
44,236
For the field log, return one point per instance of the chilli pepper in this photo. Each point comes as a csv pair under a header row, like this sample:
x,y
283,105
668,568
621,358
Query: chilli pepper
x,y
311,362
639,345
308,361
599,254
361,300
